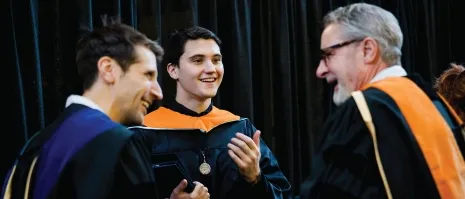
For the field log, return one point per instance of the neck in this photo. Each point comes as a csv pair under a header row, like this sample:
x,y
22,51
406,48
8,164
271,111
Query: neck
x,y
105,100
371,72
193,104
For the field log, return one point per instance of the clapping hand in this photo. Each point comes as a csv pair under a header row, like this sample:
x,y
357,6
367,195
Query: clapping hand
x,y
245,152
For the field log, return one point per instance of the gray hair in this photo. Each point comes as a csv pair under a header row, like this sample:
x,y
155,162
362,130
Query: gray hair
x,y
362,20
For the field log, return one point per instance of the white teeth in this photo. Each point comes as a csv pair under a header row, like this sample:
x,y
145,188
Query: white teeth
x,y
145,104
208,80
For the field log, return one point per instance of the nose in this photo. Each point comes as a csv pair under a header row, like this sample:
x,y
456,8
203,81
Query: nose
x,y
209,67
156,91
322,70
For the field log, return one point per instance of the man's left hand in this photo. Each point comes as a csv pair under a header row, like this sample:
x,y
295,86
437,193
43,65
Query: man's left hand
x,y
245,152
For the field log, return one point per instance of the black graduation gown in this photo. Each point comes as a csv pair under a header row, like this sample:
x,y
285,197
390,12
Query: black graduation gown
x,y
83,154
344,165
224,181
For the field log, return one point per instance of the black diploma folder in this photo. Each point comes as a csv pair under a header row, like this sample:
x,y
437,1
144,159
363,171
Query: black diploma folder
x,y
168,174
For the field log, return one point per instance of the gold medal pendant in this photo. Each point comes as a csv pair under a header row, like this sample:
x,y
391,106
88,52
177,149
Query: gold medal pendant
x,y
205,168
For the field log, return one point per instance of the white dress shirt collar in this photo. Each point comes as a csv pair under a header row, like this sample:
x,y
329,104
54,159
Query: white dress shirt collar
x,y
77,99
393,71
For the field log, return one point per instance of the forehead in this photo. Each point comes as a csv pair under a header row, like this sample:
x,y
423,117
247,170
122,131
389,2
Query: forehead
x,y
331,35
145,58
207,47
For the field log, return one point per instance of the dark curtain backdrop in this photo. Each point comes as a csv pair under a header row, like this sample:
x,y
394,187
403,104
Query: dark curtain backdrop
x,y
270,54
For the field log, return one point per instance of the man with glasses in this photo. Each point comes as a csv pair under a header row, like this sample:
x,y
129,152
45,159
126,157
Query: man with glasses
x,y
391,136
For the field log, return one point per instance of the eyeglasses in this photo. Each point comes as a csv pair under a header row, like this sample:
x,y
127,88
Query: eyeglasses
x,y
328,51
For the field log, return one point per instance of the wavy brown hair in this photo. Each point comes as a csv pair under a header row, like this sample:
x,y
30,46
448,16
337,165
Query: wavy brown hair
x,y
451,85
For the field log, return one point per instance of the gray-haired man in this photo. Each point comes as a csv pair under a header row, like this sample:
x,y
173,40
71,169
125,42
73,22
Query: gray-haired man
x,y
391,137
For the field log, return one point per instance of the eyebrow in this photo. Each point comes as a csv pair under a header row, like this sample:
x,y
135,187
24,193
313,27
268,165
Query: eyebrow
x,y
200,55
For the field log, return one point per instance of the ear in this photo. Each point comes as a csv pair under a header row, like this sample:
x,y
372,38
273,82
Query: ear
x,y
173,70
106,69
370,50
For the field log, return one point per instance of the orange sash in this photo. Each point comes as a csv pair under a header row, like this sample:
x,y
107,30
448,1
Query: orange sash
x,y
166,118
432,133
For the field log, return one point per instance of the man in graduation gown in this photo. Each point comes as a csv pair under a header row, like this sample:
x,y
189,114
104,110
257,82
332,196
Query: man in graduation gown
x,y
412,152
86,152
221,150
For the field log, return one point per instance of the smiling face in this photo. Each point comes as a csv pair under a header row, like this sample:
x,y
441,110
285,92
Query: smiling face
x,y
200,70
137,88
342,63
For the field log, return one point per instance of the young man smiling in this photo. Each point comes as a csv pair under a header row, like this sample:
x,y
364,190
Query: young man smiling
x,y
204,138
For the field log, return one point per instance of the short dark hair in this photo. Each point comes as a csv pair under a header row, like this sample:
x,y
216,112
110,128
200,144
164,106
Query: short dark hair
x,y
174,47
115,40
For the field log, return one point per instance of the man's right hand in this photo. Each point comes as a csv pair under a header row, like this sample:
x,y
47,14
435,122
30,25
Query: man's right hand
x,y
200,191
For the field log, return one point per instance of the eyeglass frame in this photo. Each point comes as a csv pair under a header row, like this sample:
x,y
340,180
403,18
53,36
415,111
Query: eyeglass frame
x,y
325,53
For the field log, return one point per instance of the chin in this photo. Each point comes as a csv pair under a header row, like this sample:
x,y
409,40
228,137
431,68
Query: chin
x,y
134,120
341,96
208,94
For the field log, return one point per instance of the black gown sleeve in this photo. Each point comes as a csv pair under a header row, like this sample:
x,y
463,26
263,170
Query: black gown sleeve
x,y
134,171
116,164
344,166
272,183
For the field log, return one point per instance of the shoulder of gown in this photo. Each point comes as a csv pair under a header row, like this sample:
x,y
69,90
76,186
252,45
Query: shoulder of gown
x,y
344,164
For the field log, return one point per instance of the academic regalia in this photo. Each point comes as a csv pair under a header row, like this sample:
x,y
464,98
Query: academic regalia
x,y
82,154
344,165
202,138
